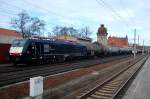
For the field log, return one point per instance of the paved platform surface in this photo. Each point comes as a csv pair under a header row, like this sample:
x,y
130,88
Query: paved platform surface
x,y
3,65
140,87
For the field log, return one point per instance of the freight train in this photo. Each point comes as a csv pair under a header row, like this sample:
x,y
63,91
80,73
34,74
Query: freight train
x,y
41,50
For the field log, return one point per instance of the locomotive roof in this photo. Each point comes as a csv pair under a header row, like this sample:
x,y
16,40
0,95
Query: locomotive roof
x,y
53,41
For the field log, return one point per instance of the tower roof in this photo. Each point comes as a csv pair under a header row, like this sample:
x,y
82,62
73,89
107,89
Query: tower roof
x,y
102,30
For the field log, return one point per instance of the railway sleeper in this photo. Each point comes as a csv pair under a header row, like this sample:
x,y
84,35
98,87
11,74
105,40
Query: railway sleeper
x,y
99,97
103,94
105,91
89,98
110,87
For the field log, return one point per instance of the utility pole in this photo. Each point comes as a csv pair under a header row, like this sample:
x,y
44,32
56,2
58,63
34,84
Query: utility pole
x,y
134,52
138,41
143,48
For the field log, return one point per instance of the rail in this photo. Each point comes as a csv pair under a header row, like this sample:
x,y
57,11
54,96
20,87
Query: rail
x,y
112,86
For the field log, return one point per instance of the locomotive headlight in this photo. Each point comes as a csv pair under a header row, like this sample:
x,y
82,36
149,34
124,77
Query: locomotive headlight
x,y
19,50
12,50
16,50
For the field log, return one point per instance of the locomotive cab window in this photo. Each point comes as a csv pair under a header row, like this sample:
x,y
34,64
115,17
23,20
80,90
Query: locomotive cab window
x,y
18,43
46,48
51,47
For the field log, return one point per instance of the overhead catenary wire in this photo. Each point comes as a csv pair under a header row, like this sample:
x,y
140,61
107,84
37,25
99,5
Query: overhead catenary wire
x,y
44,9
14,6
9,13
132,21
49,11
114,12
103,5
36,6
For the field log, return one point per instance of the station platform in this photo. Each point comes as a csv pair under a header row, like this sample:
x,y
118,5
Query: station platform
x,y
140,87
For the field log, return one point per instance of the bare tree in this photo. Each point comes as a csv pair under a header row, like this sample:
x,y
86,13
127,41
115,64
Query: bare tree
x,y
64,31
21,22
56,30
59,30
85,32
72,31
26,25
36,26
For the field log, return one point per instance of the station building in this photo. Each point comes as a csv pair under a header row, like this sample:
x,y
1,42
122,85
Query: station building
x,y
6,38
118,41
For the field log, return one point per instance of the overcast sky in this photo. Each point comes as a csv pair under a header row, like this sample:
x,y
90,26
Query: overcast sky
x,y
120,17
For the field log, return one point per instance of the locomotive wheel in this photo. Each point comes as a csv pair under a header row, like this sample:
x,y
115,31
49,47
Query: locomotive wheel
x,y
61,59
69,58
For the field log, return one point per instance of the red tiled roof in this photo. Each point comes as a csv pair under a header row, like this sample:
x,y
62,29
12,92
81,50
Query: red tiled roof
x,y
8,32
118,41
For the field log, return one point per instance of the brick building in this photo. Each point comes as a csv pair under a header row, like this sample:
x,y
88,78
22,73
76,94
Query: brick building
x,y
6,38
118,41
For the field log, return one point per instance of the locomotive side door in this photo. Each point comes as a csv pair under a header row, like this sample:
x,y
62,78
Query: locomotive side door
x,y
31,51
35,50
38,51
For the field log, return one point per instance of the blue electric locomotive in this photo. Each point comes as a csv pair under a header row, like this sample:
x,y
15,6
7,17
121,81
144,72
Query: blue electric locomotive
x,y
33,50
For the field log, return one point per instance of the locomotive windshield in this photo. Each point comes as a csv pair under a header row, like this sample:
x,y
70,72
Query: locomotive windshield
x,y
18,43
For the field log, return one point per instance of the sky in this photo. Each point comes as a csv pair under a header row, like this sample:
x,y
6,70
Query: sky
x,y
120,17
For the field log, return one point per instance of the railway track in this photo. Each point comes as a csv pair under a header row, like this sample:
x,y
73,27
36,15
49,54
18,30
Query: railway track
x,y
11,68
110,88
8,76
